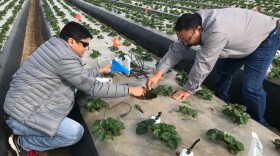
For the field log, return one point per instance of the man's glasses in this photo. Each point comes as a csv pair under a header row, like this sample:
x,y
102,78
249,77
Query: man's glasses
x,y
188,41
191,36
85,44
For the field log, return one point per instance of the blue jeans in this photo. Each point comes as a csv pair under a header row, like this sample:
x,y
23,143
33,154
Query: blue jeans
x,y
69,132
255,68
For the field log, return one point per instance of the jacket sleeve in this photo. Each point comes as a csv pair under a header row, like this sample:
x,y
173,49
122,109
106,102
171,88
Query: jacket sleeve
x,y
95,71
205,60
70,69
174,55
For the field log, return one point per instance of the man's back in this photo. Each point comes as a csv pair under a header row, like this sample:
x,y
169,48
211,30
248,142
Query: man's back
x,y
244,30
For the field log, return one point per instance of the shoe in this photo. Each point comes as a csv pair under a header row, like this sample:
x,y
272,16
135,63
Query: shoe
x,y
13,141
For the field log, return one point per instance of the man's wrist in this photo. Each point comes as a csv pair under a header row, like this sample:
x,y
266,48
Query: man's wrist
x,y
158,74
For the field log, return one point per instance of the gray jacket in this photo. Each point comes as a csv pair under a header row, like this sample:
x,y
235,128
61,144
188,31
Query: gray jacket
x,y
41,93
227,33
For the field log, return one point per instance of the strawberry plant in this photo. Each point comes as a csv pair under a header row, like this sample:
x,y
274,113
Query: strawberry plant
x,y
277,144
137,50
126,43
185,110
182,77
100,37
95,105
95,54
107,75
274,73
121,54
104,28
113,33
276,62
107,128
162,131
233,145
94,31
237,113
113,48
205,94
146,56
163,90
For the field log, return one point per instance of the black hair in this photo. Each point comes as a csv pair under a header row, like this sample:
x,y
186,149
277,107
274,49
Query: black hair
x,y
188,21
74,30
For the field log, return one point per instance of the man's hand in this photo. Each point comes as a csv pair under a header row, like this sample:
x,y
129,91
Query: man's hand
x,y
180,94
153,80
106,68
137,91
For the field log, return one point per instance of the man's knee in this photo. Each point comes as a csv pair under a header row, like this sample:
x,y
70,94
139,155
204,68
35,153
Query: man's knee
x,y
79,134
253,90
76,134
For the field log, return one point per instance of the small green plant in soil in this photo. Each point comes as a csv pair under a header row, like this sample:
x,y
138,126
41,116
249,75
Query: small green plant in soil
x,y
146,56
137,50
107,75
275,70
100,37
205,94
107,128
113,48
121,54
237,113
113,33
277,144
233,146
162,131
163,90
126,43
95,54
95,105
186,110
182,77
274,73
276,62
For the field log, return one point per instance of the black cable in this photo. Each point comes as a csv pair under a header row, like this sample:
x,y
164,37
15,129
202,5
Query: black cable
x,y
139,66
123,115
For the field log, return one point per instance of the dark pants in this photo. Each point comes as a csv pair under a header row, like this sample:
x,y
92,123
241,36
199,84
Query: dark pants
x,y
255,69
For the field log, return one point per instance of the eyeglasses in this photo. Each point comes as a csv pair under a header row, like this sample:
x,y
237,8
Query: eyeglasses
x,y
191,36
188,41
85,44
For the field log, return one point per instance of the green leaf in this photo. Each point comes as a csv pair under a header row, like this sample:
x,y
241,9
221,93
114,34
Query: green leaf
x,y
228,139
182,77
166,136
205,94
237,113
107,128
163,90
141,129
102,138
149,122
95,54
173,143
277,144
240,146
157,133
